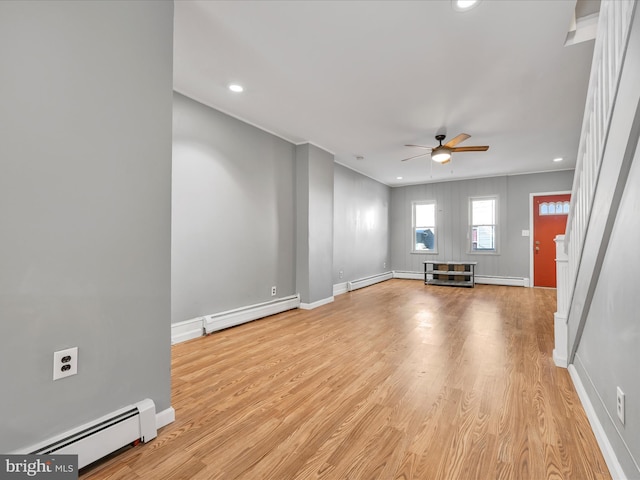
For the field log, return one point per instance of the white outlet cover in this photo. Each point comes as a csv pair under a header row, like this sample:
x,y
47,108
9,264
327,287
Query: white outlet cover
x,y
525,233
58,363
620,404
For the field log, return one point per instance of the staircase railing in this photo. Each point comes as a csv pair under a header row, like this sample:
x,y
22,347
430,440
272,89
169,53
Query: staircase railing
x,y
609,49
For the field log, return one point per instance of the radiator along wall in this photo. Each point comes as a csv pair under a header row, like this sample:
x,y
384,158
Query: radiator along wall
x,y
85,211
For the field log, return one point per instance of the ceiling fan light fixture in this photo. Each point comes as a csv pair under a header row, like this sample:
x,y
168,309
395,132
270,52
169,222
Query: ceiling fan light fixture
x,y
440,155
464,5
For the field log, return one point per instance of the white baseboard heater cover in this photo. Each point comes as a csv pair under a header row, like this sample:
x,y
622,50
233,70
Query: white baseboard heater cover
x,y
366,281
103,436
230,318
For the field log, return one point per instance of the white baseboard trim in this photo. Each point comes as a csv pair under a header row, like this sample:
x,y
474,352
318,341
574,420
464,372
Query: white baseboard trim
x,y
506,281
165,417
230,318
319,303
187,330
367,281
483,279
406,275
340,288
601,437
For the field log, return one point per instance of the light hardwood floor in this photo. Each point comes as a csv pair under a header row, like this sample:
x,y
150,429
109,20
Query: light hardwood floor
x,y
395,381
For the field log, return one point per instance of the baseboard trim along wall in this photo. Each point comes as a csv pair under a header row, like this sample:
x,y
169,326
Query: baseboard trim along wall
x,y
319,303
505,281
186,330
230,318
484,279
196,327
406,275
340,288
367,281
165,417
615,469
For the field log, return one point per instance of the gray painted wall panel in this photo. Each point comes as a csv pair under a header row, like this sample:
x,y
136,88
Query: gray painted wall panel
x,y
361,226
608,355
233,232
320,223
84,211
314,194
452,200
302,220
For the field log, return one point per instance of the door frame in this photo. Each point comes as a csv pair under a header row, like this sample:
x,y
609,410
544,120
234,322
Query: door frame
x,y
531,235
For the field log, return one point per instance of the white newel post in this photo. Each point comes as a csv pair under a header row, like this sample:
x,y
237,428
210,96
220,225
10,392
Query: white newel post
x,y
561,350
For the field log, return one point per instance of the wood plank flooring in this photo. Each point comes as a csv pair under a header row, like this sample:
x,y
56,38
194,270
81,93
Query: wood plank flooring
x,y
395,381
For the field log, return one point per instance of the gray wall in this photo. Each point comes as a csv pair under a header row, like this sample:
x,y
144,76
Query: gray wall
x,y
361,226
314,216
608,354
453,216
85,172
233,234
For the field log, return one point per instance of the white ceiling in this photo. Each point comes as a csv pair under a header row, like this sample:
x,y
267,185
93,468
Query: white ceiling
x,y
363,78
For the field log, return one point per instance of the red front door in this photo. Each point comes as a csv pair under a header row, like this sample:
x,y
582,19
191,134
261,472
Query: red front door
x,y
549,219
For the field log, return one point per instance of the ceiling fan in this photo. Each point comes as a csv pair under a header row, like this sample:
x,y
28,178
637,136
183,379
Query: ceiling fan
x,y
442,153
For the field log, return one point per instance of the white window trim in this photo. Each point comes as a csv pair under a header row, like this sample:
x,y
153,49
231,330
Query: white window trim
x,y
413,227
470,250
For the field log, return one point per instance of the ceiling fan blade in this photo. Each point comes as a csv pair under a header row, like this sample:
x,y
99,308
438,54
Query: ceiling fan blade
x,y
456,140
482,148
419,146
415,156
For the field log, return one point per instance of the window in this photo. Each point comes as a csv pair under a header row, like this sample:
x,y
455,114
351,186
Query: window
x,y
424,227
482,213
557,208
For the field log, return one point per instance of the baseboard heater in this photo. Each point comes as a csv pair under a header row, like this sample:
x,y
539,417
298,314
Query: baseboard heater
x,y
230,318
103,436
366,281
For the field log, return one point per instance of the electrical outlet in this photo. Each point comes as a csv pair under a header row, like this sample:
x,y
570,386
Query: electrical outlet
x,y
65,363
620,404
274,290
341,273
384,265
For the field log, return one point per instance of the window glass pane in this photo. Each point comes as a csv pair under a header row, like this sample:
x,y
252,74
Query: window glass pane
x,y
483,237
552,208
425,238
565,207
425,215
483,212
544,209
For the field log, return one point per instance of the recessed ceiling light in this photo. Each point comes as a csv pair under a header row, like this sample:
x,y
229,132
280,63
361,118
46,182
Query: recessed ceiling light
x,y
558,159
234,87
464,5
398,178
